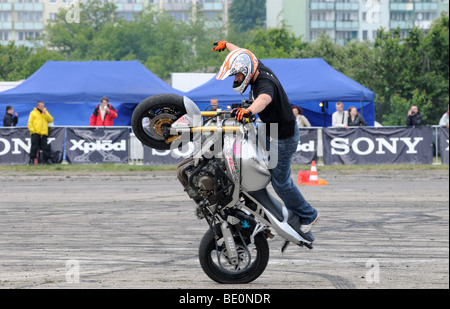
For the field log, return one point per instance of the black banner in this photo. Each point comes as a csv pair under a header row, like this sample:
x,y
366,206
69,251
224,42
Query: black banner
x,y
306,151
167,157
97,145
307,147
443,145
15,145
411,145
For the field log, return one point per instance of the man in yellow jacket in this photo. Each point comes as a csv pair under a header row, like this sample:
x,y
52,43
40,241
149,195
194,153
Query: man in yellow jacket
x,y
38,126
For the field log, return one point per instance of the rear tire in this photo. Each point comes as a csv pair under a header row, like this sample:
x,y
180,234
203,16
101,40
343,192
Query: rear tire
x,y
153,118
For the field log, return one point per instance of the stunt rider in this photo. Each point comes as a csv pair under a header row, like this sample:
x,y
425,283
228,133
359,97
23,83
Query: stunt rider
x,y
272,105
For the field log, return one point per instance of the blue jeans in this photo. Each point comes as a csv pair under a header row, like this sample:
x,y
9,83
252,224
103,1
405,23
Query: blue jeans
x,y
282,181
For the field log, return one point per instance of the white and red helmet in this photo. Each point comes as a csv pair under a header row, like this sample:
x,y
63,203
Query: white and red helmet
x,y
239,61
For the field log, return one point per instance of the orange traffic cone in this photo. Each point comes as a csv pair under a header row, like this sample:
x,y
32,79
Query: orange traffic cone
x,y
313,177
303,177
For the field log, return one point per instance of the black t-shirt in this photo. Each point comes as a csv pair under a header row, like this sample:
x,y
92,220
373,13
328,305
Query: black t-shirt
x,y
279,110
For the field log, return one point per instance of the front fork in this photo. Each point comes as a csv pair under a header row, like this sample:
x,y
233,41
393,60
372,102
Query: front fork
x,y
229,243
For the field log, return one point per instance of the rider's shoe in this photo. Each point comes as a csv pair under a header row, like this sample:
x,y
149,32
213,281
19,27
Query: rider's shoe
x,y
306,228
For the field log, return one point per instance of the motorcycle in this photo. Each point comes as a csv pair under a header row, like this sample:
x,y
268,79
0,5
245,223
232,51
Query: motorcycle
x,y
227,177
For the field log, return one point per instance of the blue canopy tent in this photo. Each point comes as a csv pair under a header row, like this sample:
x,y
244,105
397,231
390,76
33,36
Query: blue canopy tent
x,y
307,82
71,90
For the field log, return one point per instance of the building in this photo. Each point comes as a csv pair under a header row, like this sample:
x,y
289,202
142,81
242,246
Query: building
x,y
181,8
346,20
23,21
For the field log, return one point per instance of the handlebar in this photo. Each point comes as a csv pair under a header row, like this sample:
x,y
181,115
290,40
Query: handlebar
x,y
211,114
215,129
215,113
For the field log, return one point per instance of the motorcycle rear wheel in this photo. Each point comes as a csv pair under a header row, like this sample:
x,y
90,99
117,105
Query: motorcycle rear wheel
x,y
153,117
214,262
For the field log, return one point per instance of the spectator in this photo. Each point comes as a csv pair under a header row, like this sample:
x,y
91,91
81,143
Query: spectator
x,y
38,126
414,118
11,118
444,119
340,117
214,104
302,121
104,114
355,119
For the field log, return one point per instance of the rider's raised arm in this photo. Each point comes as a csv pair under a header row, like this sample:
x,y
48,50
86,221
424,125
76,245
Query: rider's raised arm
x,y
222,45
231,46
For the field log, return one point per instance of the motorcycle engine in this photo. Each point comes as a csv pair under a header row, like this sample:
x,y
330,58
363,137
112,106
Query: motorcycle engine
x,y
203,184
198,182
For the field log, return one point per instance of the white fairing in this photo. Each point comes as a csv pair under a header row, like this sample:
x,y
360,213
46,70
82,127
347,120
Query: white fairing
x,y
254,169
193,111
284,230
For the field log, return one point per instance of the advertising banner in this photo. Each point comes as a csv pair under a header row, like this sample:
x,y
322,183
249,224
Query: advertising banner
x,y
167,157
405,145
307,147
90,145
443,145
15,145
306,151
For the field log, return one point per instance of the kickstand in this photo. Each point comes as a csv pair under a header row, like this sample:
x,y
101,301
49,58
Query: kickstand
x,y
285,245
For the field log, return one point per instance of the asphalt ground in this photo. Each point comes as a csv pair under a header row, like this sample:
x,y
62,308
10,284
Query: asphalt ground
x,y
378,230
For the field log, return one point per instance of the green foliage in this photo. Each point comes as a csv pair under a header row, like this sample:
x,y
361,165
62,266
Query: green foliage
x,y
400,70
273,43
11,57
247,14
161,43
414,68
19,62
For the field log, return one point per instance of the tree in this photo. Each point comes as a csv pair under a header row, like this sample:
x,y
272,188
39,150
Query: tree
x,y
161,43
326,49
245,15
414,68
74,39
19,62
400,70
273,43
11,58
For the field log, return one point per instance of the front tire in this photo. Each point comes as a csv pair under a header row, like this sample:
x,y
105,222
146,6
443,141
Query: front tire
x,y
252,262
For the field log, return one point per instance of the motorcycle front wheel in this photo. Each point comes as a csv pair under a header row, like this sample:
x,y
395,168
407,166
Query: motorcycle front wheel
x,y
253,259
153,117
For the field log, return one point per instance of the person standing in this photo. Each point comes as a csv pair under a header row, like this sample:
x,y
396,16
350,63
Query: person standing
x,y
104,114
11,118
38,125
302,121
444,120
414,117
355,119
340,117
214,104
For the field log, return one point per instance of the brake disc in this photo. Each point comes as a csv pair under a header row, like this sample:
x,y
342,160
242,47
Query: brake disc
x,y
156,125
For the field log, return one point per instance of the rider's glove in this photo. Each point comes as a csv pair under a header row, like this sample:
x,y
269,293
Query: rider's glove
x,y
220,46
241,113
